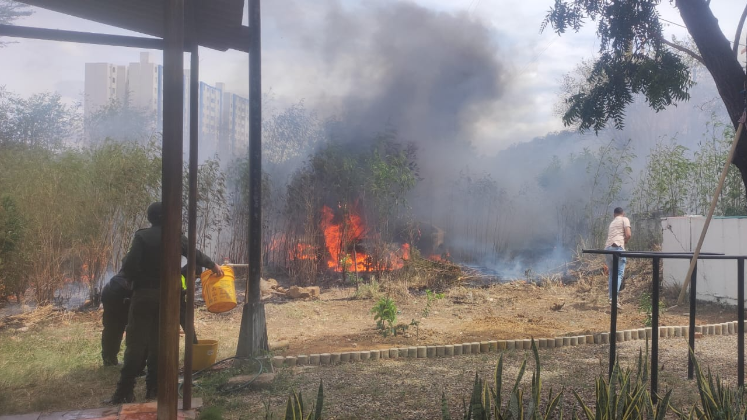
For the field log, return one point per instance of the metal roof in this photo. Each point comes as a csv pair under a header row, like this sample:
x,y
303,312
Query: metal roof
x,y
219,21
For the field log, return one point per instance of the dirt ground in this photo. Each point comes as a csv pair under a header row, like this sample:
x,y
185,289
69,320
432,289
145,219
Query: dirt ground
x,y
49,359
339,322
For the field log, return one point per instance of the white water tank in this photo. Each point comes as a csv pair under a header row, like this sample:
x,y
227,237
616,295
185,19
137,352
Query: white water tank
x,y
717,279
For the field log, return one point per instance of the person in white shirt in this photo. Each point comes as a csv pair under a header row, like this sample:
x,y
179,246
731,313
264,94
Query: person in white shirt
x,y
617,236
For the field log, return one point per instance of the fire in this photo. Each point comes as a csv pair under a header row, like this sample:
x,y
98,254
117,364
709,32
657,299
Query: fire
x,y
354,231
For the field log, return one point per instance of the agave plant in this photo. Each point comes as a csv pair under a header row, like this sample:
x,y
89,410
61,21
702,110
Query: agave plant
x,y
295,409
625,396
487,403
717,400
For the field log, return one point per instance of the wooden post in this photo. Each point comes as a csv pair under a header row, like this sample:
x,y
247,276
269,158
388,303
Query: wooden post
x,y
168,351
189,321
253,333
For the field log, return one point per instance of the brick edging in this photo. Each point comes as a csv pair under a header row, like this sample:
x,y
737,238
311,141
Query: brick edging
x,y
450,350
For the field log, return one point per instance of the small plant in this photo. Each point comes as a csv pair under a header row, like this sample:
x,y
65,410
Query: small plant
x,y
211,413
385,315
430,297
370,290
487,403
353,279
717,400
625,396
646,307
415,323
295,409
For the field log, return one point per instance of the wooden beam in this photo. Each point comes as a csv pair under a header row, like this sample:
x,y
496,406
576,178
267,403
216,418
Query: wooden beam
x,y
173,116
189,322
81,37
253,332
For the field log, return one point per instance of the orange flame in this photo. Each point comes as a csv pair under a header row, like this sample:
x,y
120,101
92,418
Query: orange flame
x,y
355,231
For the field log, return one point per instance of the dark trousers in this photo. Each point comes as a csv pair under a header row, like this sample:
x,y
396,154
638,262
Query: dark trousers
x,y
115,300
142,341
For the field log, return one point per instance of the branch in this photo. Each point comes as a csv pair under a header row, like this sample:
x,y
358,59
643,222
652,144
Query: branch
x,y
684,50
735,45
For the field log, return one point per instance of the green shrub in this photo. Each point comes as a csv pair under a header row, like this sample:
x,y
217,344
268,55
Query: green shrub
x,y
211,413
717,400
370,290
295,409
487,403
385,315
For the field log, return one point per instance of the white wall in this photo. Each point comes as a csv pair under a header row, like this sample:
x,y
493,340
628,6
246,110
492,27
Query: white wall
x,y
717,280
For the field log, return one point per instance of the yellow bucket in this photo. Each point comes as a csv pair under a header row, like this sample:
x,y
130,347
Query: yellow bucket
x,y
219,292
204,354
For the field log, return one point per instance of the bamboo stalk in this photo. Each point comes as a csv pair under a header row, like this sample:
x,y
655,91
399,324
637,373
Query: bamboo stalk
x,y
712,208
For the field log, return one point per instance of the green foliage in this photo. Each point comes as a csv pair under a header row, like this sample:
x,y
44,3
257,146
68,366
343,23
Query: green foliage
x,y
645,306
430,297
41,120
79,207
211,413
624,396
295,409
213,213
717,399
488,403
385,315
370,290
632,59
14,259
665,182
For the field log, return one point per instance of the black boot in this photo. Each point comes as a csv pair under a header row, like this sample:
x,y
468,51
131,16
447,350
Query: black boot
x,y
120,397
124,393
151,392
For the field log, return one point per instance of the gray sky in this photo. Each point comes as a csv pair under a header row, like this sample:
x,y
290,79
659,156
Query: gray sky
x,y
294,70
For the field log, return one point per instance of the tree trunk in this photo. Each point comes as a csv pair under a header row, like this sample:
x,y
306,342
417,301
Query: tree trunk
x,y
720,61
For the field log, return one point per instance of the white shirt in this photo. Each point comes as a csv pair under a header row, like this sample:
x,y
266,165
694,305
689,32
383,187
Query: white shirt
x,y
616,232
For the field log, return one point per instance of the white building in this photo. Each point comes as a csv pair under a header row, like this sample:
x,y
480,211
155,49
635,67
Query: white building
x,y
209,118
104,83
716,279
236,124
143,84
223,119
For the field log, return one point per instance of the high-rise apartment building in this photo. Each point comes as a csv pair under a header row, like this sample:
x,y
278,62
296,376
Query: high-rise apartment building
x,y
104,83
143,83
235,122
209,118
222,121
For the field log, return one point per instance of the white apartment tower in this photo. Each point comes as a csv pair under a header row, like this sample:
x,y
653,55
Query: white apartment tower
x,y
104,83
143,81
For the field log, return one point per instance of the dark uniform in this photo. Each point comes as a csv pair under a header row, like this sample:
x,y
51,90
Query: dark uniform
x,y
115,297
143,267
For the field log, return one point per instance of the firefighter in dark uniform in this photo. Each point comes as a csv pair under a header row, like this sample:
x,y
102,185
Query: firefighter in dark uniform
x,y
143,268
115,297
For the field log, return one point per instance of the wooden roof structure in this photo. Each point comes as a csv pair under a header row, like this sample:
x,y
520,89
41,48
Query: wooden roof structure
x,y
176,26
218,24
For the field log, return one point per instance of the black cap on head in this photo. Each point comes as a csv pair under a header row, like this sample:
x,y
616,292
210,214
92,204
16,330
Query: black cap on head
x,y
154,213
618,210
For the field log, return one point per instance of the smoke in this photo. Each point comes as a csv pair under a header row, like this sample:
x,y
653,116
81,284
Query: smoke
x,y
442,80
431,76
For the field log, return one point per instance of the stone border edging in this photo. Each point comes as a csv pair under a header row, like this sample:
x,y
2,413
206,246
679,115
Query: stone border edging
x,y
450,350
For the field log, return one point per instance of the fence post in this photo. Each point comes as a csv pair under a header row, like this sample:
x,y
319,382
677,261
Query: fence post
x,y
655,331
740,324
613,310
691,333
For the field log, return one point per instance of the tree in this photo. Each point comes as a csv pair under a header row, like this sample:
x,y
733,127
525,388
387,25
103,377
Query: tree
x,y
40,120
10,11
635,58
121,122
